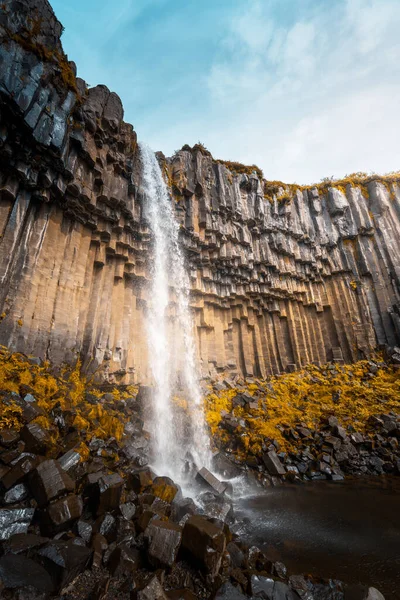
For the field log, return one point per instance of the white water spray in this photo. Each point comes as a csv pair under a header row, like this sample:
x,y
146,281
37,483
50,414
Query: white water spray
x,y
170,330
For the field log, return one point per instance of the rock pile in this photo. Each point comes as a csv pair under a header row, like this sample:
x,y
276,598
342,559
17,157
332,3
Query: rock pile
x,y
105,526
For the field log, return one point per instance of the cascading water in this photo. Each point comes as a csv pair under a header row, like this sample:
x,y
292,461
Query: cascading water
x,y
170,331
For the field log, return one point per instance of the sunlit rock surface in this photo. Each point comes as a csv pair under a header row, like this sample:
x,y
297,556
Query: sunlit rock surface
x,y
281,275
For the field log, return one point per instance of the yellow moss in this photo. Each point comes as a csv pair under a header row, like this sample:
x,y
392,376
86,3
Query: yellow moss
x,y
84,451
306,396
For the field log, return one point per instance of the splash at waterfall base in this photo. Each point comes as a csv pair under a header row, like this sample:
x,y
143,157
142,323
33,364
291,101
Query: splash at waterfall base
x,y
75,477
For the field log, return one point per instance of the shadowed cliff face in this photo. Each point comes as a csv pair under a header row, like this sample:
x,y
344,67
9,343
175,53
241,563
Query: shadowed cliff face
x,y
278,279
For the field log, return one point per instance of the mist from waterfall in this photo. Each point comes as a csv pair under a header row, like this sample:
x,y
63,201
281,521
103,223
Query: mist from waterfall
x,y
170,333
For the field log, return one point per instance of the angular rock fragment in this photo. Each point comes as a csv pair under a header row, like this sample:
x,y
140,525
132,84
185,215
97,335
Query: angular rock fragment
x,y
124,560
15,520
262,587
24,465
18,571
109,493
36,438
140,480
273,464
152,591
205,477
225,467
69,460
204,542
23,542
64,560
128,510
164,488
48,481
229,592
8,437
60,514
164,539
99,545
16,494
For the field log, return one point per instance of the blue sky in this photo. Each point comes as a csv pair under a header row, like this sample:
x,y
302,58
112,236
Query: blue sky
x,y
303,88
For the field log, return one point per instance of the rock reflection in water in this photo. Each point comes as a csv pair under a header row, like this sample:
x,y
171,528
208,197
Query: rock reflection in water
x,y
348,530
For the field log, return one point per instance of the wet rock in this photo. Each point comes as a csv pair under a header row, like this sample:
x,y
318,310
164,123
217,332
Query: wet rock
x,y
24,465
204,542
262,587
280,570
69,461
36,438
273,464
299,584
229,592
99,545
204,477
152,591
85,530
373,594
106,525
225,467
237,556
217,506
164,539
283,592
8,437
184,594
181,507
59,515
23,542
48,481
164,488
18,571
64,560
16,494
109,493
140,480
128,510
124,560
16,520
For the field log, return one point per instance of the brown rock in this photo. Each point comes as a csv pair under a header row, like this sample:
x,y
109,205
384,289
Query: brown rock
x,y
59,515
204,542
164,539
36,438
48,481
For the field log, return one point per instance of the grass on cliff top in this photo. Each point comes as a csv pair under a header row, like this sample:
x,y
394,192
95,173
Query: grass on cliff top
x,y
348,392
234,167
359,179
66,390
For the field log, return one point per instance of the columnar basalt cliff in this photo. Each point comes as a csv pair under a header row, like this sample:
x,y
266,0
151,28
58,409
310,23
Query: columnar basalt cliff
x,y
281,275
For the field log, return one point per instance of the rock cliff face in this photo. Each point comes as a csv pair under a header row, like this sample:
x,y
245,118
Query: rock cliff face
x,y
281,275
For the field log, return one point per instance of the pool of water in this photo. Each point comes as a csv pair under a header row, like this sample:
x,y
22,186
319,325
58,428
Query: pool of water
x,y
346,530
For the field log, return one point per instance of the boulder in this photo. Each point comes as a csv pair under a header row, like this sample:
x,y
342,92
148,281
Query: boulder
x,y
18,571
181,507
16,494
69,461
36,438
204,542
374,594
164,539
48,481
109,493
60,514
262,587
225,467
124,560
99,545
229,592
14,521
140,480
23,542
24,465
152,591
64,560
273,464
206,478
164,488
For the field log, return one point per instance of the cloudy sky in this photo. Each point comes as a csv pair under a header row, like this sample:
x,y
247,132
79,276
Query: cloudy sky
x,y
303,88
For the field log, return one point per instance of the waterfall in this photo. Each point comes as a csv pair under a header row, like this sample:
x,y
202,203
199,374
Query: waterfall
x,y
170,333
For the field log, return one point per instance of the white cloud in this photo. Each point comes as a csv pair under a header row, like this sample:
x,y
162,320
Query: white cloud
x,y
314,97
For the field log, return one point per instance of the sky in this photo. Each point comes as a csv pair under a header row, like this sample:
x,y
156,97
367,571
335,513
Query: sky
x,y
305,89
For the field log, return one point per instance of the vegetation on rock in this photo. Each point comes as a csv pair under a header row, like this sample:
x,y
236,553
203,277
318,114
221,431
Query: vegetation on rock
x,y
350,392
